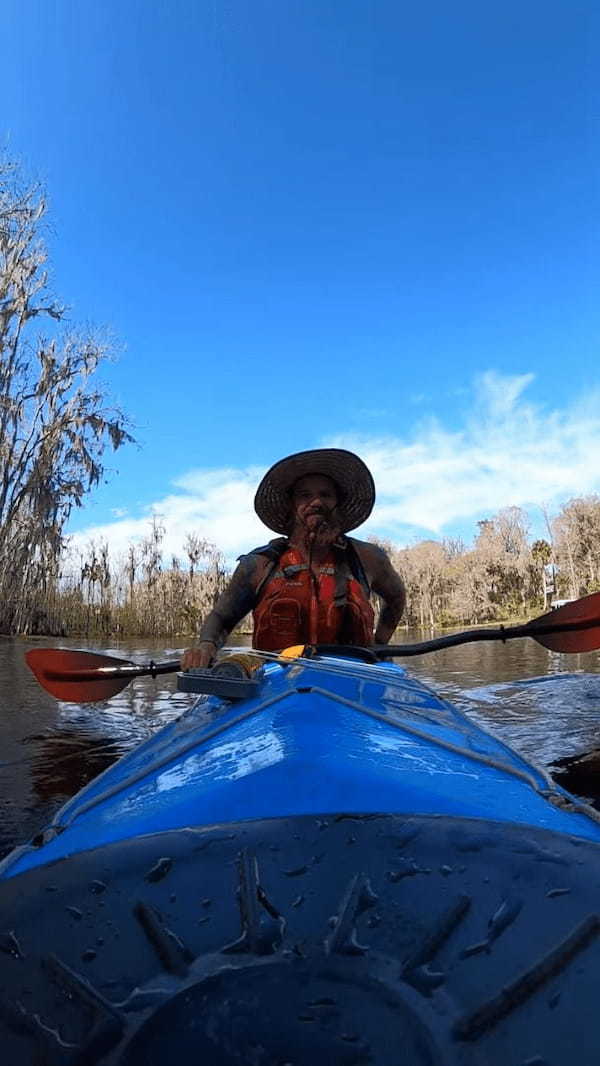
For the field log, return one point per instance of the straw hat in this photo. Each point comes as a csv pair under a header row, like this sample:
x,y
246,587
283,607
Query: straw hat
x,y
352,477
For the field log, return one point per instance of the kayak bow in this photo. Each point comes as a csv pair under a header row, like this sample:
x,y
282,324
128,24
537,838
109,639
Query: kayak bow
x,y
335,866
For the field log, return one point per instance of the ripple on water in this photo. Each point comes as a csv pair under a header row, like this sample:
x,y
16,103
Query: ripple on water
x,y
544,717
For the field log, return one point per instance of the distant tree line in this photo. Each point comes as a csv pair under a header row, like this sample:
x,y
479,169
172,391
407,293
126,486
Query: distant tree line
x,y
500,576
504,573
142,594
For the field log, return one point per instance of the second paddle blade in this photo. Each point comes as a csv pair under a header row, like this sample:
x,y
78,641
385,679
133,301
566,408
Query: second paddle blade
x,y
52,667
584,612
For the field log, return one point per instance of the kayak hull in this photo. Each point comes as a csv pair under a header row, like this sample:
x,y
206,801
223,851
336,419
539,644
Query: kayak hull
x,y
308,940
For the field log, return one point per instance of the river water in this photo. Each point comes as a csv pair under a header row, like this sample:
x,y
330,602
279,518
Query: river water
x,y
547,705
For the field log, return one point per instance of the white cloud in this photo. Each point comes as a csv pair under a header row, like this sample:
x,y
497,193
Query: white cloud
x,y
508,452
215,504
497,394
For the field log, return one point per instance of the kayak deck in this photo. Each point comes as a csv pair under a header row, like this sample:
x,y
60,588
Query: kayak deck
x,y
328,736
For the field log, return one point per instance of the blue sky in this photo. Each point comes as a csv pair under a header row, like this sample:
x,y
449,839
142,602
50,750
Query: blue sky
x,y
324,221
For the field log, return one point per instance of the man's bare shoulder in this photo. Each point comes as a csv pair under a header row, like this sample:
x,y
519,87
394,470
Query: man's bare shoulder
x,y
373,557
254,566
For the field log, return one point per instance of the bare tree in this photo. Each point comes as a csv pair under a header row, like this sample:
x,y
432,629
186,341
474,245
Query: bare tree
x,y
54,420
541,559
577,541
502,550
195,549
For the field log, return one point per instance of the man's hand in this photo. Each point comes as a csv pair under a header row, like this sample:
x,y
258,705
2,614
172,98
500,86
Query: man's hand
x,y
202,656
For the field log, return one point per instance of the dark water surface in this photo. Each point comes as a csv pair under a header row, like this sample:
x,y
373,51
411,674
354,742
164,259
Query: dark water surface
x,y
547,705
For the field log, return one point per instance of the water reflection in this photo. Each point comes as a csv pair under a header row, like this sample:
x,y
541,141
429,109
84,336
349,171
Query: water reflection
x,y
545,704
63,762
49,750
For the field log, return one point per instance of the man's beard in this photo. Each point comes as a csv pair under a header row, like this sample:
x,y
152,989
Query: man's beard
x,y
318,530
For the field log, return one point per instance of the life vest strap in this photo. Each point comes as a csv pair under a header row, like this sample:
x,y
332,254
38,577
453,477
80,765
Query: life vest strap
x,y
350,565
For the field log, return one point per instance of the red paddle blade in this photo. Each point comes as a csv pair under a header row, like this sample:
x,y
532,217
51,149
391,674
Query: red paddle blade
x,y
583,615
52,667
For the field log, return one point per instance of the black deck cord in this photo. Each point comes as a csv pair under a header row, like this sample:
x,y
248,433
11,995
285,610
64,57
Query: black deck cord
x,y
342,651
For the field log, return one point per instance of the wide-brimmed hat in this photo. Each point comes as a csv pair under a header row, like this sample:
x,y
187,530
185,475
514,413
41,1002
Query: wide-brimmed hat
x,y
353,478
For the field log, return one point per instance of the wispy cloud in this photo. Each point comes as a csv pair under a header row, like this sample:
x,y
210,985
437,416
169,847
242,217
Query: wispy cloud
x,y
216,504
508,452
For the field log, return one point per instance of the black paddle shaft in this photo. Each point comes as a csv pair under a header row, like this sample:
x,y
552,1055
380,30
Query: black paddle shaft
x,y
450,640
126,671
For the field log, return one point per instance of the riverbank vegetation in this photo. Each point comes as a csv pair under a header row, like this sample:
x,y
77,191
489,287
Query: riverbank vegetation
x,y
142,594
503,575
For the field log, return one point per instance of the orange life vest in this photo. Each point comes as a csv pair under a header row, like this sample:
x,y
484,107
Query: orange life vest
x,y
298,606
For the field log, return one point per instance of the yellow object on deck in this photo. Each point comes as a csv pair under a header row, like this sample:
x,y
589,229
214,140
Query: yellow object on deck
x,y
245,661
294,652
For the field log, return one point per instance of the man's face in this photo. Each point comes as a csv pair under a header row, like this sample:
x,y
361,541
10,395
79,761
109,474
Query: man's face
x,y
314,500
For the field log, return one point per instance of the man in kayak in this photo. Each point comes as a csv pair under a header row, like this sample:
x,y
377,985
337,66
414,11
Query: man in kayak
x,y
313,584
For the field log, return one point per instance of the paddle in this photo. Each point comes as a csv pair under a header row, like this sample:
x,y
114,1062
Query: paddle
x,y
572,628
84,676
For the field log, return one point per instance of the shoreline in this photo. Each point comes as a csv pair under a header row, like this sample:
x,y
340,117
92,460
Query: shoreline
x,y
189,637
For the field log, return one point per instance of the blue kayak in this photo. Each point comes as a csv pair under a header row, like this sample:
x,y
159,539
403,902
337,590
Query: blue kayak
x,y
338,867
